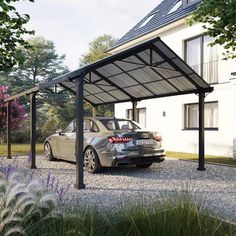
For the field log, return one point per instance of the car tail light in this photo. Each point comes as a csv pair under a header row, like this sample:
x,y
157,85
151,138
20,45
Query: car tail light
x,y
158,138
119,140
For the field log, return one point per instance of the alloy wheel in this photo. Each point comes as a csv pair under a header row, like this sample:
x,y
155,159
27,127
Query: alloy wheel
x,y
89,159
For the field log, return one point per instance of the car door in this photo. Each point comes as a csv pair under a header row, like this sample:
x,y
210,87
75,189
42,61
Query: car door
x,y
91,132
66,142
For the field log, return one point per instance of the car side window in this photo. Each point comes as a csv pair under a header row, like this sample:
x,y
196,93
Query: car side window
x,y
90,126
127,125
109,124
70,128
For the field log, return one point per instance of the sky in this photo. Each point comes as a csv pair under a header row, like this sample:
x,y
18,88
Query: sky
x,y
72,24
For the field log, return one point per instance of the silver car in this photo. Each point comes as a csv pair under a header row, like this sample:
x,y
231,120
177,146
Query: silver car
x,y
108,142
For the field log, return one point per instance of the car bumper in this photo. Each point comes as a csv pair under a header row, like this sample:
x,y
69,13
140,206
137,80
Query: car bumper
x,y
137,160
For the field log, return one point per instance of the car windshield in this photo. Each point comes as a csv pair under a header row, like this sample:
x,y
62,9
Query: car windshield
x,y
115,124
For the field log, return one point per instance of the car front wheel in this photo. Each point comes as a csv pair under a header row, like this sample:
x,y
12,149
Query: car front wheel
x,y
91,161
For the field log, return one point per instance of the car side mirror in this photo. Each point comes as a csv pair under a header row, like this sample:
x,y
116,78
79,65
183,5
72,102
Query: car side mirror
x,y
59,131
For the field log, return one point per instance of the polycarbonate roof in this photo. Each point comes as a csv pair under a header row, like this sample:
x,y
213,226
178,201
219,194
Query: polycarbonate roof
x,y
149,70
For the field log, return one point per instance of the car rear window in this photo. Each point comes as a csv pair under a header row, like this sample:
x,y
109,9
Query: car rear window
x,y
119,124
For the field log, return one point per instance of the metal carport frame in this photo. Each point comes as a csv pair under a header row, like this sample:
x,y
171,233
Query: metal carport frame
x,y
149,70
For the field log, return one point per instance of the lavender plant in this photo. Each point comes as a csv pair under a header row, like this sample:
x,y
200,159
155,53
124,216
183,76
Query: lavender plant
x,y
52,184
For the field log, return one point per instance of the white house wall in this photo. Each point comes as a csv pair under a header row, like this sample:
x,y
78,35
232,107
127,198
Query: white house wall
x,y
218,142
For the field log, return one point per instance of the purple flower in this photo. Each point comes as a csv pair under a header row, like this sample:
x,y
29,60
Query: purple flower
x,y
8,171
53,184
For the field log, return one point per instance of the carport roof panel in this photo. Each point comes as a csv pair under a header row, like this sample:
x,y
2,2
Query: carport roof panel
x,y
149,70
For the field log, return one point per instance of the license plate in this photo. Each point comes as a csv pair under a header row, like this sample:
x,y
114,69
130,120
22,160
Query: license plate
x,y
145,142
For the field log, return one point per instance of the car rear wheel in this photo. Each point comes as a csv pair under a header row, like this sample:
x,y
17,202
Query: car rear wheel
x,y
48,152
91,161
146,165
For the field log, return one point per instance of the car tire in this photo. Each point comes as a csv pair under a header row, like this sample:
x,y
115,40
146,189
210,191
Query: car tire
x,y
146,165
91,161
48,152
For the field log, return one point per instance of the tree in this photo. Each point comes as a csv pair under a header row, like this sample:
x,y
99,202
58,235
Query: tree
x,y
12,30
219,18
41,62
97,51
17,111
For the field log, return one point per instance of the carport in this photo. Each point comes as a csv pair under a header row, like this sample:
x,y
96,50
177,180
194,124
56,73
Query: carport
x,y
150,70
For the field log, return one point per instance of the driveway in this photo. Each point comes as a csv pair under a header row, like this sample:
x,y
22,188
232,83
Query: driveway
x,y
112,187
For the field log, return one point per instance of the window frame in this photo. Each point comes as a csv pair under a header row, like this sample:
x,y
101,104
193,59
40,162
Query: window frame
x,y
187,3
137,110
185,120
94,124
201,36
68,124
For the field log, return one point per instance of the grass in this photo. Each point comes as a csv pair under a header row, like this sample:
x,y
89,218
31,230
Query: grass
x,y
194,157
20,149
176,215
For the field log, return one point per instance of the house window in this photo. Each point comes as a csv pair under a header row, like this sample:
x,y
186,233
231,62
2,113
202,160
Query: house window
x,y
147,19
175,7
202,57
141,116
191,116
192,1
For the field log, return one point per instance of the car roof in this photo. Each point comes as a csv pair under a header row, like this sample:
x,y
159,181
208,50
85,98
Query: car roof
x,y
105,118
109,118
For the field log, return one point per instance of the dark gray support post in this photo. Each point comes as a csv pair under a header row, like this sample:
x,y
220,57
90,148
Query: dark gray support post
x,y
79,146
9,130
32,130
201,154
134,111
94,112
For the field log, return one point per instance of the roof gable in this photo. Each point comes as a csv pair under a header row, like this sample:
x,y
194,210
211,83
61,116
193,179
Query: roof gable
x,y
166,12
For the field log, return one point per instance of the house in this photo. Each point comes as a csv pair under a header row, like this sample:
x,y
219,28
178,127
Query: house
x,y
176,118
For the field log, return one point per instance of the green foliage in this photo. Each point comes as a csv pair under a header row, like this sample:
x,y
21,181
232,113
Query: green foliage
x,y
41,63
178,214
219,19
97,51
56,116
12,30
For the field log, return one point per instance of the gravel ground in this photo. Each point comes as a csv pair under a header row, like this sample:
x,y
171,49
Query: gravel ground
x,y
216,185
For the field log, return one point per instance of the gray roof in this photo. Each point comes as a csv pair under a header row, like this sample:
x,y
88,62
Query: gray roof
x,y
146,71
160,18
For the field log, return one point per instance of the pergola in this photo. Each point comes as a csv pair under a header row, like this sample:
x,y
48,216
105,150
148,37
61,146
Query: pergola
x,y
149,70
